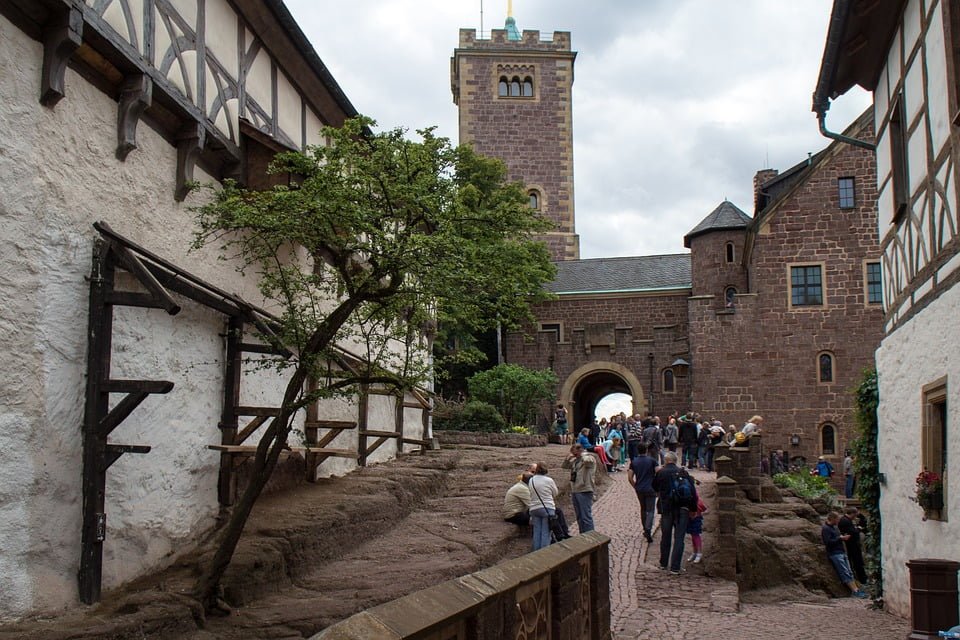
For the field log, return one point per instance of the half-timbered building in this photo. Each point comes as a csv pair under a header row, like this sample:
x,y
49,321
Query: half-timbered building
x,y
130,395
907,52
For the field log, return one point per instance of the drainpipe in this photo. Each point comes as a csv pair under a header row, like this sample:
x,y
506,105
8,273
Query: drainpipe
x,y
822,119
650,403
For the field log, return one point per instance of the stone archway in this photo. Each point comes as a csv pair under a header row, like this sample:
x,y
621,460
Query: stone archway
x,y
585,387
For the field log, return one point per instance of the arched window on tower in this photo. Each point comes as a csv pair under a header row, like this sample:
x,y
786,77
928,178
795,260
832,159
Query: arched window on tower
x,y
668,385
825,367
729,297
534,199
528,87
502,88
729,252
828,439
515,87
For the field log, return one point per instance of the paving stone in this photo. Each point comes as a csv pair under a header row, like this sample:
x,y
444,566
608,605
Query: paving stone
x,y
648,603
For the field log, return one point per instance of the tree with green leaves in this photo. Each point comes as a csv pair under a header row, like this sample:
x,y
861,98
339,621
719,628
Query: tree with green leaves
x,y
516,392
376,240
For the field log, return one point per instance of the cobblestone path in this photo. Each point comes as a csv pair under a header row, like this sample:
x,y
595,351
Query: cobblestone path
x,y
648,603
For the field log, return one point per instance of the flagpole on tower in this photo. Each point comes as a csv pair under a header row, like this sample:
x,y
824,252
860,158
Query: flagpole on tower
x,y
481,18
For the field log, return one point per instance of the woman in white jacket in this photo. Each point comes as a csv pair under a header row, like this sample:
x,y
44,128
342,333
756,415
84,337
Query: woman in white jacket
x,y
543,505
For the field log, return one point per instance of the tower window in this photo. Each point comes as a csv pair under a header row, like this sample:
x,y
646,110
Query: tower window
x,y
510,86
828,439
825,367
534,199
668,381
729,252
846,192
729,297
528,87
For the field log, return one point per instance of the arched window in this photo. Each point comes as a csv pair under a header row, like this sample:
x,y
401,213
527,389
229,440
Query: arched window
x,y
828,439
515,87
502,87
668,381
825,367
729,252
528,87
534,199
729,297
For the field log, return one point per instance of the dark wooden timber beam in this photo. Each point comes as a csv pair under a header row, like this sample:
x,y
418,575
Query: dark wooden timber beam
x,y
190,143
114,451
143,275
135,97
61,37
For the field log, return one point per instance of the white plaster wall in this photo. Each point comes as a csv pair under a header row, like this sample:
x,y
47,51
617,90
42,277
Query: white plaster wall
x,y
382,416
920,352
60,175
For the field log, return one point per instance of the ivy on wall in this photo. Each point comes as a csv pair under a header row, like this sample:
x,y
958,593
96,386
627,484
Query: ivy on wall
x,y
866,469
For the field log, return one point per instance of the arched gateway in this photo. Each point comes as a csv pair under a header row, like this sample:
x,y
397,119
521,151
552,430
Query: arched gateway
x,y
587,385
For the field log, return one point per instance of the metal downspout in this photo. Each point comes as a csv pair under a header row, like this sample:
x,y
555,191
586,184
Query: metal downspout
x,y
822,119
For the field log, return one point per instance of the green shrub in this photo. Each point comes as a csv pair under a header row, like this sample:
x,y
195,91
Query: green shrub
x,y
807,486
470,416
519,429
518,393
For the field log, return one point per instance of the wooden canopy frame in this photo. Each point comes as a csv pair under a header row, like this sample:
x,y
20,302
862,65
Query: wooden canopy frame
x,y
112,252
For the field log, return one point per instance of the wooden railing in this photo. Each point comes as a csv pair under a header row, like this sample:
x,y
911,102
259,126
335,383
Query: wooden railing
x,y
562,591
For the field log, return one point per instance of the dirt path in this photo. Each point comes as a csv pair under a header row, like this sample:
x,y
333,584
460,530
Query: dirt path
x,y
320,553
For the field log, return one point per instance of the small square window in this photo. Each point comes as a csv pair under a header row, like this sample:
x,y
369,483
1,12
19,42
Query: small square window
x,y
806,286
846,190
554,328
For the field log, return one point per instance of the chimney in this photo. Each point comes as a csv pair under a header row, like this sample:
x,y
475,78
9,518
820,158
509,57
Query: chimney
x,y
762,177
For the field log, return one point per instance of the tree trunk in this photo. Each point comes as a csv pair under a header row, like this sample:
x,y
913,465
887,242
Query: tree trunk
x,y
273,441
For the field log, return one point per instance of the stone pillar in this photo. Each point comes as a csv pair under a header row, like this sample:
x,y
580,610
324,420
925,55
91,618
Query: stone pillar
x,y
746,468
725,566
723,463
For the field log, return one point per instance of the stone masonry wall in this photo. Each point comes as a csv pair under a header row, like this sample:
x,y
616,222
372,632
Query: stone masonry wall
x,y
762,357
532,135
643,324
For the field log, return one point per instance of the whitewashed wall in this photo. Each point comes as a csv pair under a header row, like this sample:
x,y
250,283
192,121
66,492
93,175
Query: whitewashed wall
x,y
59,176
924,348
918,353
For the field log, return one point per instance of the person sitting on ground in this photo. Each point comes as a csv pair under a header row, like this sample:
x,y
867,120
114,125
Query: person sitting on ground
x,y
584,439
833,542
516,504
613,448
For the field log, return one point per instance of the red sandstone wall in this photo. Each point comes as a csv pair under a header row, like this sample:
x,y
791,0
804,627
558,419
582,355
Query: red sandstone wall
x,y
762,358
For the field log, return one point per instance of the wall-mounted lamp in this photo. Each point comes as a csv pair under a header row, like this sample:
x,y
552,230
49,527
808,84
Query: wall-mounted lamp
x,y
795,440
680,368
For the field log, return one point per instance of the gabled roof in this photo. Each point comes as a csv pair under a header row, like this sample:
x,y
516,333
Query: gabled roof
x,y
619,275
858,38
726,216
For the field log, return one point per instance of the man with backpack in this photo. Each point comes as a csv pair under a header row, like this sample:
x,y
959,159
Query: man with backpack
x,y
677,497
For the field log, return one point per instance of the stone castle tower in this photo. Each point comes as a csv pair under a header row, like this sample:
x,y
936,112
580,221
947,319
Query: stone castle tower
x,y
514,97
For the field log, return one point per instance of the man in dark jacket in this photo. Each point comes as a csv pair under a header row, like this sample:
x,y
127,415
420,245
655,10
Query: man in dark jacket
x,y
674,514
687,426
640,474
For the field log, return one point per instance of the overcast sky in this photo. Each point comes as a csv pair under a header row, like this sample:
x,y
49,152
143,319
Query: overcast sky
x,y
676,103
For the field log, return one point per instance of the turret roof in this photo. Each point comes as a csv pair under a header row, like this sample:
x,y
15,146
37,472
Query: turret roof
x,y
726,216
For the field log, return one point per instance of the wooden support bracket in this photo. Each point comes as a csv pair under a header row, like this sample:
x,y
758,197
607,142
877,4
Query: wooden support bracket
x,y
114,451
135,97
61,37
189,145
143,275
126,406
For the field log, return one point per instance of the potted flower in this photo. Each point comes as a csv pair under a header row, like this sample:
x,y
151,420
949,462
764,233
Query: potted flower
x,y
930,491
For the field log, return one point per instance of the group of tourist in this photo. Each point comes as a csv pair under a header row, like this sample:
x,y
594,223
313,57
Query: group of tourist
x,y
841,538
660,455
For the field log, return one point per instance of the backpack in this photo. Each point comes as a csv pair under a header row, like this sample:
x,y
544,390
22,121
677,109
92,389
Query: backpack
x,y
680,493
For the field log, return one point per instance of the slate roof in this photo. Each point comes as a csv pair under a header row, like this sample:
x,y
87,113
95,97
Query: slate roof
x,y
636,273
726,216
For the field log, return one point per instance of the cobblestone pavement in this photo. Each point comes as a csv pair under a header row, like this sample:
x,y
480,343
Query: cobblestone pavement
x,y
649,603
